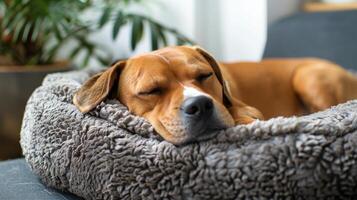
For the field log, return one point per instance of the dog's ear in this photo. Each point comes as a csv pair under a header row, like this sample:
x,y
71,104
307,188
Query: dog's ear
x,y
227,99
97,88
241,113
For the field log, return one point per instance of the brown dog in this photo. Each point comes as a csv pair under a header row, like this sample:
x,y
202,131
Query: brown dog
x,y
186,95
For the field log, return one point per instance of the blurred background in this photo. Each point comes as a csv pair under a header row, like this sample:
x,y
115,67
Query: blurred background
x,y
38,37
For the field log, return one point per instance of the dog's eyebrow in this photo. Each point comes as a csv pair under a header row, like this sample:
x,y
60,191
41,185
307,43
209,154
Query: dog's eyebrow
x,y
149,83
196,66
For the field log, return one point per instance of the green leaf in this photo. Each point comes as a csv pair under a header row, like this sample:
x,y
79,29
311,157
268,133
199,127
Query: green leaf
x,y
10,21
53,51
119,21
87,58
66,27
17,31
180,41
83,41
102,60
26,34
136,31
75,52
36,30
162,35
154,36
105,16
57,32
13,15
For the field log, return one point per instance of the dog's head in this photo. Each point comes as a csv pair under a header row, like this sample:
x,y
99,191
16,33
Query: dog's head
x,y
179,90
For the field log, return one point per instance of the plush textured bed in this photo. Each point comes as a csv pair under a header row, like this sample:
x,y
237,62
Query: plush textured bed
x,y
111,154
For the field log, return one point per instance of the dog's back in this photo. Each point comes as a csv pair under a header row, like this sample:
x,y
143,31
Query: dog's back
x,y
286,87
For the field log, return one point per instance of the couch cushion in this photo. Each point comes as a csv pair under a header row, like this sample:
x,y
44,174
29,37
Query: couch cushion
x,y
330,35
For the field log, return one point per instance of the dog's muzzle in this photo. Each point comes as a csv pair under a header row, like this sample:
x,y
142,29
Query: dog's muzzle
x,y
200,116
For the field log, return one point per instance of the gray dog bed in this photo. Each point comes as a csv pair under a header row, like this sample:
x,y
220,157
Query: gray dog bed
x,y
111,154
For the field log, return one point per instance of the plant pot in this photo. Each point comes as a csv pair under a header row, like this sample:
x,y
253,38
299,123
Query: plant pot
x,y
16,85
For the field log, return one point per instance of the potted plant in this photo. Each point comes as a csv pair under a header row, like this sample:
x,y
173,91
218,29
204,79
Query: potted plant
x,y
32,32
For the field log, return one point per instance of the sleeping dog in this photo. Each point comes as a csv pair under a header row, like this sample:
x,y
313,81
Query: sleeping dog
x,y
187,95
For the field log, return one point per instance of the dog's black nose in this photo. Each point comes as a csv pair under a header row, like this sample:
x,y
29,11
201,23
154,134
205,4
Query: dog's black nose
x,y
197,106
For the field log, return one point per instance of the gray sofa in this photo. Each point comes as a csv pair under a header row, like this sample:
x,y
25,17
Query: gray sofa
x,y
331,35
19,183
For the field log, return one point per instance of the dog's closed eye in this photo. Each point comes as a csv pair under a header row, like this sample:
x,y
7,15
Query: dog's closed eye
x,y
203,77
153,91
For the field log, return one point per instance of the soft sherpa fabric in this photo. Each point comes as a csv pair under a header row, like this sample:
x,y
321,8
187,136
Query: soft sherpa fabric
x,y
112,154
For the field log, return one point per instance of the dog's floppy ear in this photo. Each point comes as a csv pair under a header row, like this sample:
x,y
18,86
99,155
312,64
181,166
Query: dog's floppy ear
x,y
97,88
241,112
227,100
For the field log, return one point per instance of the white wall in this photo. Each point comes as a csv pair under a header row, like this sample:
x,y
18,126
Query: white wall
x,y
208,26
232,29
244,29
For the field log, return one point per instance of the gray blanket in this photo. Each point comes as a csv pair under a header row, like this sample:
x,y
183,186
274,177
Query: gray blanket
x,y
111,154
